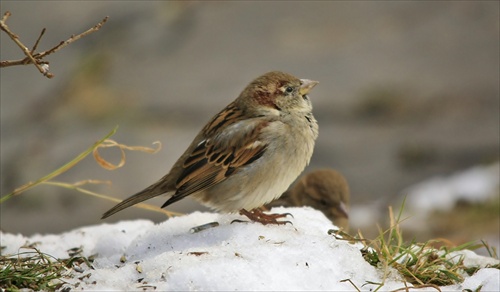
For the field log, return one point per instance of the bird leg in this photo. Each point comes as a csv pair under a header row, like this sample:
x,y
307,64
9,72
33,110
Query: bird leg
x,y
257,215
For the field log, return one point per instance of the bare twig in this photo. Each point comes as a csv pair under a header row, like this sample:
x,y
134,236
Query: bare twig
x,y
37,58
73,38
5,16
15,38
38,40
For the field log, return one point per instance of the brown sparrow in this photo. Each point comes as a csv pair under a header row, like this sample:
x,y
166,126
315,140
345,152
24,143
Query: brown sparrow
x,y
248,154
325,190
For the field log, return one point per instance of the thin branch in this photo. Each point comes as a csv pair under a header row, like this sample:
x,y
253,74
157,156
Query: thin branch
x,y
73,38
15,38
5,16
37,59
38,40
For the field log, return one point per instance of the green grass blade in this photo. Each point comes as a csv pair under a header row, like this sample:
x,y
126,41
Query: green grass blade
x,y
58,171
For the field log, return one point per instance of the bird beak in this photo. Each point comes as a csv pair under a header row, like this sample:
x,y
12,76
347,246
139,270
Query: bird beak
x,y
306,86
342,208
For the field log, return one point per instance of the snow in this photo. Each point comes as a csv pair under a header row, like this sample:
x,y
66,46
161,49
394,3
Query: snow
x,y
476,184
488,279
230,257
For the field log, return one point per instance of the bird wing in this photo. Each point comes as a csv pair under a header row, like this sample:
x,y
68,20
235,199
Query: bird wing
x,y
232,143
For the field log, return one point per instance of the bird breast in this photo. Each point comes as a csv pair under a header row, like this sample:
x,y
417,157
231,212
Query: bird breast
x,y
289,150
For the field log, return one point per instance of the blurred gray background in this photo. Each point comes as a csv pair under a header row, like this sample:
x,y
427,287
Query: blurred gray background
x,y
408,90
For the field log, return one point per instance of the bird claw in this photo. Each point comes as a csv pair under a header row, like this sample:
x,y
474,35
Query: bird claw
x,y
257,215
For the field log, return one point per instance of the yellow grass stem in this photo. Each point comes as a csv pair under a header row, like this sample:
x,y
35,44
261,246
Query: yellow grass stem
x,y
101,196
58,171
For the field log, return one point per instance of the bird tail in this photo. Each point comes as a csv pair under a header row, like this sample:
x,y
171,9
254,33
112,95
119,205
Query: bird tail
x,y
143,195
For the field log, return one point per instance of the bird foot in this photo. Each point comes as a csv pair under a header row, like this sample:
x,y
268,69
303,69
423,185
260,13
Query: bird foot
x,y
256,215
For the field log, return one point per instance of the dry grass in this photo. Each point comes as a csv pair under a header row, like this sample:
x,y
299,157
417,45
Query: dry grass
x,y
421,264
33,269
433,263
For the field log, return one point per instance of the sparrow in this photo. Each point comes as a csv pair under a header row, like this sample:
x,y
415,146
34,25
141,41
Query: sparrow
x,y
325,190
248,154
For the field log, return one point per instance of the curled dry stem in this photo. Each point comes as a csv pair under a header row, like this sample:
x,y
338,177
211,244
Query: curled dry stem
x,y
58,171
111,143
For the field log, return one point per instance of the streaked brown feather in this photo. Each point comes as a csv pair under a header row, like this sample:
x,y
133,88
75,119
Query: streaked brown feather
x,y
232,140
231,114
211,162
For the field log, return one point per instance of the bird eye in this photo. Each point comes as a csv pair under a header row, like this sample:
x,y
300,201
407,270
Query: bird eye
x,y
289,89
